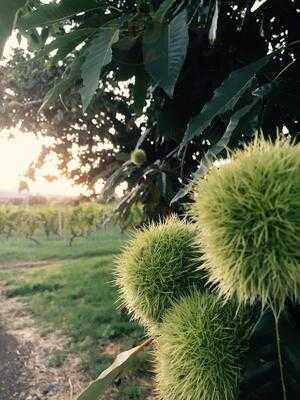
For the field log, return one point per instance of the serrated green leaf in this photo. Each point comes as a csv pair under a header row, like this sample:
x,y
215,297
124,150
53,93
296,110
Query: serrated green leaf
x,y
142,138
214,24
162,183
257,4
8,11
117,177
97,387
165,47
53,94
160,14
139,90
47,14
237,122
98,54
182,193
65,83
65,44
225,98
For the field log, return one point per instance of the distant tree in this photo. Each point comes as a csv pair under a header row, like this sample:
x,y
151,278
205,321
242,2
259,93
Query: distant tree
x,y
202,75
23,187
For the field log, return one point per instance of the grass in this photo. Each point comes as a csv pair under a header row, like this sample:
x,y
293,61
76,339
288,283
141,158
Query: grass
x,y
104,243
74,294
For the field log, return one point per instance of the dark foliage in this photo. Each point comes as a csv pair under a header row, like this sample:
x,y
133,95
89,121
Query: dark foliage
x,y
177,132
261,379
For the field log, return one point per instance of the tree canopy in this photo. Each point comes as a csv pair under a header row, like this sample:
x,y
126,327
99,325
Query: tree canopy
x,y
180,80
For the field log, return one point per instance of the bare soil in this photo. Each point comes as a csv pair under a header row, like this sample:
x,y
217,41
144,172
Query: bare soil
x,y
27,265
14,374
25,373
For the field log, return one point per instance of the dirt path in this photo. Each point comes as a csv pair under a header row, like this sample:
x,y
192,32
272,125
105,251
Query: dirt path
x,y
25,369
26,355
14,374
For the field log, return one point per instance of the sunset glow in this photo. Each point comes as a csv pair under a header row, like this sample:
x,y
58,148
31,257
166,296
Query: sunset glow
x,y
16,154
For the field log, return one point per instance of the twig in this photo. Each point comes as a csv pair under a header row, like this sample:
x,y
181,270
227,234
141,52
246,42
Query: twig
x,y
34,240
71,389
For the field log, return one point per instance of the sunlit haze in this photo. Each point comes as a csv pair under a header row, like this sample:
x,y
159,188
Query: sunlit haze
x,y
16,154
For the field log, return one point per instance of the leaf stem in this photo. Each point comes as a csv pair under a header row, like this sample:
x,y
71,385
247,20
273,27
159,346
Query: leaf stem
x,y
278,343
284,69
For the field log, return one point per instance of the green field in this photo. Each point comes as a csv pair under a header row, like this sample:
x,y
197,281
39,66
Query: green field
x,y
71,289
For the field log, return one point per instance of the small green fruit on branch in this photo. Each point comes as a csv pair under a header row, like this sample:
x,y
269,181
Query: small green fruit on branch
x,y
138,157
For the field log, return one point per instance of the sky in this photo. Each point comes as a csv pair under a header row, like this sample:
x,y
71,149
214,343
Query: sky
x,y
16,154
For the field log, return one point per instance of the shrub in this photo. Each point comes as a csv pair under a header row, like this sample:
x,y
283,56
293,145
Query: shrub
x,y
27,223
50,220
82,220
5,213
200,348
248,212
158,266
